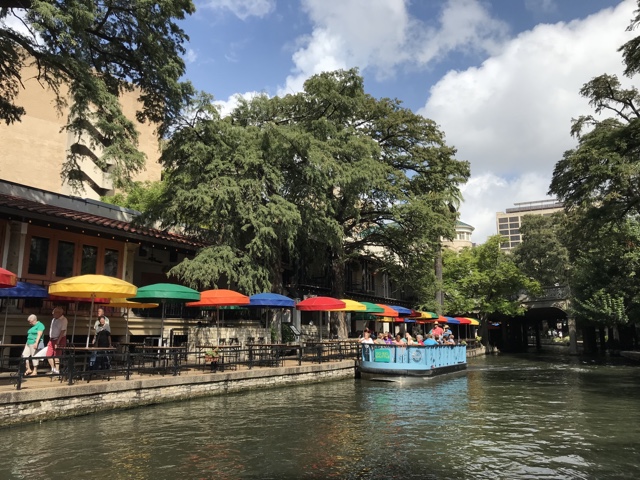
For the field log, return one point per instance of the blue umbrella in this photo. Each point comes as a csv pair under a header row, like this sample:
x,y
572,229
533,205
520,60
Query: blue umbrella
x,y
271,300
21,290
452,321
402,310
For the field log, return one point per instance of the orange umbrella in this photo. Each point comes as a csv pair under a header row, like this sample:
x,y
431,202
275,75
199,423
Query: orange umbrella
x,y
220,298
387,311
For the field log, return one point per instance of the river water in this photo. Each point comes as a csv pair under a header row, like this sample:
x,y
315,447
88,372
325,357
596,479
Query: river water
x,y
506,417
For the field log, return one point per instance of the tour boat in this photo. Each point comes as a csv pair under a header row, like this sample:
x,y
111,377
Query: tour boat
x,y
403,364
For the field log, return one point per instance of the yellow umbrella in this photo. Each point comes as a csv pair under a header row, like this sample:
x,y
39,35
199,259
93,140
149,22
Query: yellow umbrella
x,y
92,286
124,303
351,306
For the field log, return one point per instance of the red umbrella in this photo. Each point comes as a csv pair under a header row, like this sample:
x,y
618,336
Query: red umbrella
x,y
8,279
320,304
463,320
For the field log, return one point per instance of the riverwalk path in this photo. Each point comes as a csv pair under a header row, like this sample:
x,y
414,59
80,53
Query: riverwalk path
x,y
46,397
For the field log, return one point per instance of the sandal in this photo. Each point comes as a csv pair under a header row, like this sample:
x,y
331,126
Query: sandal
x,y
26,374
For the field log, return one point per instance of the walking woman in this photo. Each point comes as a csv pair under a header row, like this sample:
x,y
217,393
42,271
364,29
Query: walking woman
x,y
34,337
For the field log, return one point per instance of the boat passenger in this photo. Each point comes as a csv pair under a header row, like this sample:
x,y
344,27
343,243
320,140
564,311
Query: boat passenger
x,y
437,330
450,340
430,341
380,339
388,339
408,339
366,336
398,341
420,339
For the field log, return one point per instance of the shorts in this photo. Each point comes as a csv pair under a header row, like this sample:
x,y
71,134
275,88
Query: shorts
x,y
56,352
29,350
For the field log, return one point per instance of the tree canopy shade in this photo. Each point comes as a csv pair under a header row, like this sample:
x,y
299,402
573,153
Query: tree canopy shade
x,y
484,280
97,50
322,176
542,255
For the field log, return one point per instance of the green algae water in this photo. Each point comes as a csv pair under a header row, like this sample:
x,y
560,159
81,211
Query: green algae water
x,y
507,417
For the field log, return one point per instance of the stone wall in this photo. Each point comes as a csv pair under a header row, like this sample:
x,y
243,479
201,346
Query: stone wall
x,y
23,406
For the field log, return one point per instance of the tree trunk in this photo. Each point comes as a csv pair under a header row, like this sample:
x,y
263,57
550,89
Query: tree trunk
x,y
439,294
338,320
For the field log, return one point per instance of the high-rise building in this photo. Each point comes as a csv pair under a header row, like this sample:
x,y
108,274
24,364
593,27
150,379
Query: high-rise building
x,y
508,223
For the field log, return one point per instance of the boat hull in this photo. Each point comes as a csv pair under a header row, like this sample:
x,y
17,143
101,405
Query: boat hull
x,y
392,363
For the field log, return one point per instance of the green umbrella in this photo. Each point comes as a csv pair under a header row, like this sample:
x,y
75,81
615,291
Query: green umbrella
x,y
372,308
165,293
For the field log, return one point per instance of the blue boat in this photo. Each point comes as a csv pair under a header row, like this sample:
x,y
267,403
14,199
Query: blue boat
x,y
403,364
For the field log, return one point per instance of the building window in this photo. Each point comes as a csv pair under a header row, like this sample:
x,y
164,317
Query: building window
x,y
111,262
503,220
89,260
38,256
64,259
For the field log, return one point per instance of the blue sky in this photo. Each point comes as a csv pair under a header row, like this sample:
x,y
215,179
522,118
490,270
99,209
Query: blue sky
x,y
501,77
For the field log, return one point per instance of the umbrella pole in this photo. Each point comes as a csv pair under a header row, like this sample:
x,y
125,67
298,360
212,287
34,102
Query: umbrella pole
x,y
162,324
93,296
75,315
218,324
126,333
4,329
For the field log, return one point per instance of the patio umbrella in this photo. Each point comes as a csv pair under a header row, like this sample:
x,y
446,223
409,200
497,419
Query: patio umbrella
x,y
220,297
128,305
352,306
320,304
272,300
372,307
21,290
164,293
7,279
387,311
401,310
92,286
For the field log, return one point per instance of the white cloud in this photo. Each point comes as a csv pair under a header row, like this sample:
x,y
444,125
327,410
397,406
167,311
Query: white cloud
x,y
382,37
243,9
511,116
487,193
541,6
225,107
190,56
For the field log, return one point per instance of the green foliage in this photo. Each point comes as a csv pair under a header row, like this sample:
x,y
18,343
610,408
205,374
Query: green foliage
x,y
323,176
140,196
98,50
542,255
484,280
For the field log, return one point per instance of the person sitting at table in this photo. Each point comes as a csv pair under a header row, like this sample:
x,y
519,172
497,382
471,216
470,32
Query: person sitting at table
x,y
102,340
34,337
212,356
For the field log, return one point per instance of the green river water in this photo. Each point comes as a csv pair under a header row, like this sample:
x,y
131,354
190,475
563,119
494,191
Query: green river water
x,y
506,417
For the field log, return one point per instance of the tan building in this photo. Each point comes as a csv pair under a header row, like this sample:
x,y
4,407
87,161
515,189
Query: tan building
x,y
34,149
462,238
508,223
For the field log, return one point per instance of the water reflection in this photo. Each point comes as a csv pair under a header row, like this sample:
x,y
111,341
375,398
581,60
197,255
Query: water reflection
x,y
506,417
